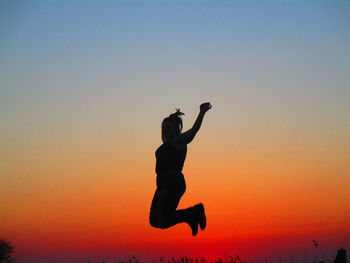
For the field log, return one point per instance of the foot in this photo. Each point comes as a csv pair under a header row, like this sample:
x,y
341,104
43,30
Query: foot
x,y
202,219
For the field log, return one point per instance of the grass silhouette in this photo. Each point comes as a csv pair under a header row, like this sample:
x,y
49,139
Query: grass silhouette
x,y
7,249
339,258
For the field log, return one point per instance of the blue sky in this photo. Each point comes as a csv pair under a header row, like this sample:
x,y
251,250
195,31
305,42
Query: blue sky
x,y
240,55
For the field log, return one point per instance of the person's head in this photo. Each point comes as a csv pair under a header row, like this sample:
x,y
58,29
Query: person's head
x,y
172,126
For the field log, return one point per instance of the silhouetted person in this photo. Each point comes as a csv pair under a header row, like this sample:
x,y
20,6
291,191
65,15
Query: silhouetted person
x,y
170,158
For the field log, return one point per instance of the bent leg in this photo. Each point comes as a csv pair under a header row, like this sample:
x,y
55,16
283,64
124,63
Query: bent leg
x,y
157,215
163,214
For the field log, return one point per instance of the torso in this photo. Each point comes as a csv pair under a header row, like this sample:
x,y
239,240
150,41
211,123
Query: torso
x,y
170,158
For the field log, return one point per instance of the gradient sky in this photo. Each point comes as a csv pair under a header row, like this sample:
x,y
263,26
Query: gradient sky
x,y
84,86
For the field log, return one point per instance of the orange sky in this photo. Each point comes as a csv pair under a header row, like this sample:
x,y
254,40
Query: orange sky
x,y
86,196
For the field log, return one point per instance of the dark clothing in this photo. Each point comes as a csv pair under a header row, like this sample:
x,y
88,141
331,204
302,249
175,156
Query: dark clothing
x,y
170,188
171,180
170,158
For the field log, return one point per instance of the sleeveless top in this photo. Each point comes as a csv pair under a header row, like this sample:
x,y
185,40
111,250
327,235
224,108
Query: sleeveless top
x,y
170,158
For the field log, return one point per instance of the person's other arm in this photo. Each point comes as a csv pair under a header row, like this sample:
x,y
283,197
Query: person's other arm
x,y
186,137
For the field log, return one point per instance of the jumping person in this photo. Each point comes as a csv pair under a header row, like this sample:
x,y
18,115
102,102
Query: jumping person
x,y
170,158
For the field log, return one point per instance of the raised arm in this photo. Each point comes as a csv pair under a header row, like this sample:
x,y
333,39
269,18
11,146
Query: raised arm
x,y
186,137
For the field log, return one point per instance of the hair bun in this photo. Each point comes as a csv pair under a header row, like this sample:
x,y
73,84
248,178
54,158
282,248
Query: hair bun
x,y
176,119
178,112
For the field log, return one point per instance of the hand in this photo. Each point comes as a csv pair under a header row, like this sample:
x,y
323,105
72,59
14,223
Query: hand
x,y
205,107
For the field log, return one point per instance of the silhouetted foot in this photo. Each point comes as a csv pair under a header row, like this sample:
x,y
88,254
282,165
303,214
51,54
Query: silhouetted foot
x,y
202,219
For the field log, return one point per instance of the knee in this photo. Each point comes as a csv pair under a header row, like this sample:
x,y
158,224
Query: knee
x,y
157,219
